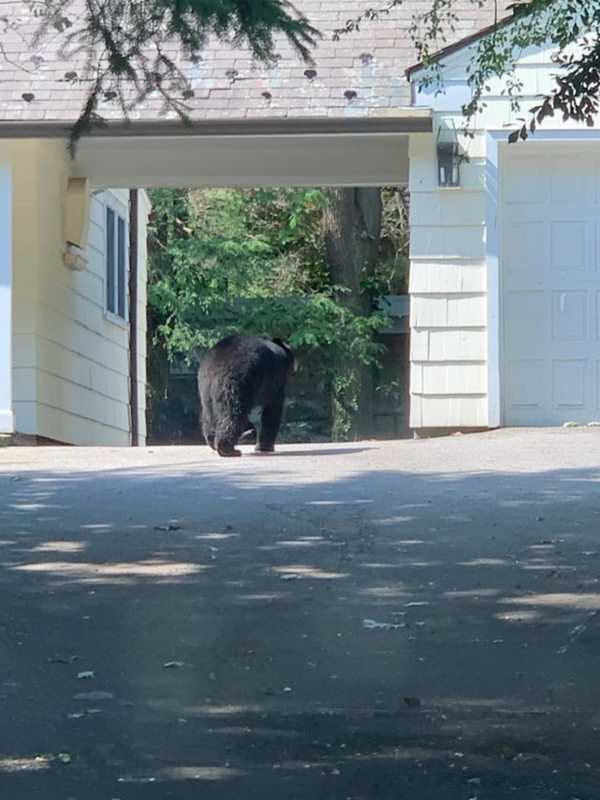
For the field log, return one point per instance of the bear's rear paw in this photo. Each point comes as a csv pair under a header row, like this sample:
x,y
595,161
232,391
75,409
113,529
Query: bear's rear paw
x,y
230,453
261,451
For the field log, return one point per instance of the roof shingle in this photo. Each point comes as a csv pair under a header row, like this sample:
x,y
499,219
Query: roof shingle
x,y
363,74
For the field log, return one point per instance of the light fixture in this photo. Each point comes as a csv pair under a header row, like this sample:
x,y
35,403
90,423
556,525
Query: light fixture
x,y
448,158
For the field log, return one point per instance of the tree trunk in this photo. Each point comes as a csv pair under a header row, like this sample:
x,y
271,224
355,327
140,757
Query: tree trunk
x,y
352,221
158,376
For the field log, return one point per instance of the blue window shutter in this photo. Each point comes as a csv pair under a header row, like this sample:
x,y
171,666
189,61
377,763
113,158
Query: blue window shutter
x,y
110,260
121,270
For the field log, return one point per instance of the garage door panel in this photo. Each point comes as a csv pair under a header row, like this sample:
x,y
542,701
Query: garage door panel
x,y
525,323
550,274
569,316
528,183
569,384
571,176
569,245
527,381
525,251
516,214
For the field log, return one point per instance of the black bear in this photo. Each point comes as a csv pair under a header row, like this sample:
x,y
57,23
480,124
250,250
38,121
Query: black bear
x,y
236,375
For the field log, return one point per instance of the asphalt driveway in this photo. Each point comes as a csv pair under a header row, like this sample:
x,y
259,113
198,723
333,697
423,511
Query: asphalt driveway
x,y
415,619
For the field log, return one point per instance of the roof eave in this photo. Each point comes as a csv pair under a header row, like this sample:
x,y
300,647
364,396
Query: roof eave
x,y
393,121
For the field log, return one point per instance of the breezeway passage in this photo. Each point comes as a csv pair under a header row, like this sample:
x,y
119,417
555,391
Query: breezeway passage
x,y
72,394
358,620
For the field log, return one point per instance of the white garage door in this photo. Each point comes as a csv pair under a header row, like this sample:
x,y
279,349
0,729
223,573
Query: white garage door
x,y
550,274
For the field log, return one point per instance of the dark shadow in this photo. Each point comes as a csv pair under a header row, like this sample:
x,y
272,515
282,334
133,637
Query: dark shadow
x,y
324,451
186,628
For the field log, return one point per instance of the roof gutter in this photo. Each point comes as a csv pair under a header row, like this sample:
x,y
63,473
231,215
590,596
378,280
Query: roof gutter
x,y
400,121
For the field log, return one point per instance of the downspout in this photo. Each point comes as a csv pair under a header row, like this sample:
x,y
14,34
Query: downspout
x,y
133,301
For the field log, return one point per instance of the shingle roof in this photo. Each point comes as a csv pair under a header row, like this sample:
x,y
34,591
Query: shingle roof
x,y
361,75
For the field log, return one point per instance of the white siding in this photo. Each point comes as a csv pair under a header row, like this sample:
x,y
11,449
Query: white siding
x,y
449,243
447,411
448,302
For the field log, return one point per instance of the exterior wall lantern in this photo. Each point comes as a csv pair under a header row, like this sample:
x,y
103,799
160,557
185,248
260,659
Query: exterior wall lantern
x,y
448,158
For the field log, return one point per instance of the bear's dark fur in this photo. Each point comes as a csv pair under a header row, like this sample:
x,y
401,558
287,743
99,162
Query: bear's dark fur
x,y
236,375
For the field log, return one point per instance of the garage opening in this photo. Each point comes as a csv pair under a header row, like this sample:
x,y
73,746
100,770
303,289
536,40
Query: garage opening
x,y
278,274
83,379
324,269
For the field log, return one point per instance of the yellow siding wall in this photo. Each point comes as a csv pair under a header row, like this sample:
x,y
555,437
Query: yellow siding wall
x,y
71,361
22,157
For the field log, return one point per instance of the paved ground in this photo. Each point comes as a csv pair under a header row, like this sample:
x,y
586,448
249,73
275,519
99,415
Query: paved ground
x,y
380,620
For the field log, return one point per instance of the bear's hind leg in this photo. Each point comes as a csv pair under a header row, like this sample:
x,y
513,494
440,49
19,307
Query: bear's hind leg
x,y
270,422
208,423
227,434
225,445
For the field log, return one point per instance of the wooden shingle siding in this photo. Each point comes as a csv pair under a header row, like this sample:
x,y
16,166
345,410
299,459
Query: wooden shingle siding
x,y
447,287
433,277
448,412
461,378
447,311
457,345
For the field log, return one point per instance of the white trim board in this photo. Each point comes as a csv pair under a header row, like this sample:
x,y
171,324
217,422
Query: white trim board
x,y
365,160
492,261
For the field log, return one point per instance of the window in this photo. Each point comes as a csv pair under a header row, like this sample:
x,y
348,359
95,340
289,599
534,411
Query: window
x,y
116,264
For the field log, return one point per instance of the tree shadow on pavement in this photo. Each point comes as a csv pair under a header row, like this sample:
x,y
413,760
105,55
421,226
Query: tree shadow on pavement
x,y
171,630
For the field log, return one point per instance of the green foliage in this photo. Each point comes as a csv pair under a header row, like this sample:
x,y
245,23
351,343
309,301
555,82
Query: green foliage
x,y
253,261
345,390
390,275
535,23
225,261
540,23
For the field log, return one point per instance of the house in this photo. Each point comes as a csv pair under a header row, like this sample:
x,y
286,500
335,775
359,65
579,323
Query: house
x,y
505,277
505,268
73,334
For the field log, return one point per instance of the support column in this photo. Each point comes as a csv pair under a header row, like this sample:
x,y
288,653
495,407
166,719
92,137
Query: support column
x,y
134,224
7,423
